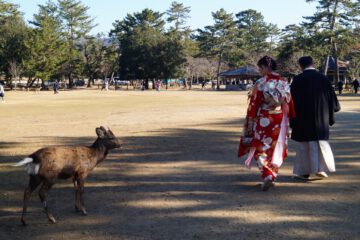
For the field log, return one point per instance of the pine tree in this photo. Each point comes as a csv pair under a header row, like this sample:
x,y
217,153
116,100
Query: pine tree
x,y
76,25
178,14
332,24
45,44
218,40
139,35
13,33
257,36
146,51
179,38
101,59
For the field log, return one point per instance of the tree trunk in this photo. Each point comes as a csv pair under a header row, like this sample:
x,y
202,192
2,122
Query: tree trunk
x,y
218,71
336,70
333,43
11,83
42,84
31,82
326,65
153,83
91,82
185,83
71,80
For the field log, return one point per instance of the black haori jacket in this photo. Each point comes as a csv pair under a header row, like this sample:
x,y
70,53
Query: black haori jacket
x,y
315,104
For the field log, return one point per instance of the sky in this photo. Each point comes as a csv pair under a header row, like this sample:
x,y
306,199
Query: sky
x,y
280,12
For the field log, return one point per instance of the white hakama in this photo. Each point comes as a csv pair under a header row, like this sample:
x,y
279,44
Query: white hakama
x,y
313,157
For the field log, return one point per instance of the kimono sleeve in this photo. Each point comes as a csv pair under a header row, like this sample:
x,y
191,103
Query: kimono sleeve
x,y
255,102
294,91
292,113
334,105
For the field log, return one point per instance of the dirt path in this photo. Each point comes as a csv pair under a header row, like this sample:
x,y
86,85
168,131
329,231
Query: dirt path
x,y
177,176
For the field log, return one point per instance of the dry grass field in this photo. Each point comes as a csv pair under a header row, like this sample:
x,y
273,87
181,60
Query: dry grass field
x,y
177,176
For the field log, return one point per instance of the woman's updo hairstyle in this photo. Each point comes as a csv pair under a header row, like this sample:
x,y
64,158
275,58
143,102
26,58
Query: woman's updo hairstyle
x,y
267,62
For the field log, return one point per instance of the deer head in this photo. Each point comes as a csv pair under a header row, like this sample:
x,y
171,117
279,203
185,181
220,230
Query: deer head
x,y
107,138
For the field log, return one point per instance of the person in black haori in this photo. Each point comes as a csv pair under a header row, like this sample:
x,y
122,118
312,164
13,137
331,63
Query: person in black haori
x,y
315,104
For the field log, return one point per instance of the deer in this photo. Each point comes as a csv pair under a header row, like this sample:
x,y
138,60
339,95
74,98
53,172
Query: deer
x,y
46,165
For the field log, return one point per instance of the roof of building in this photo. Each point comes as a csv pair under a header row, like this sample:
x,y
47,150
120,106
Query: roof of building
x,y
246,71
341,64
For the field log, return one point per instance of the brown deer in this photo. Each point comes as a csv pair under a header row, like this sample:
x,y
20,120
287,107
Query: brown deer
x,y
48,164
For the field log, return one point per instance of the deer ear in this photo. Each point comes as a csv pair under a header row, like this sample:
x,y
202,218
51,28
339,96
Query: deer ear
x,y
111,133
104,129
100,132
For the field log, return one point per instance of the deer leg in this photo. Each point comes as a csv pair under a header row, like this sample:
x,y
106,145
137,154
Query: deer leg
x,y
80,183
77,195
34,182
43,197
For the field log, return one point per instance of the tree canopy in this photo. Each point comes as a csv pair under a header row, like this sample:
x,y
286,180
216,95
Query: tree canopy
x,y
149,45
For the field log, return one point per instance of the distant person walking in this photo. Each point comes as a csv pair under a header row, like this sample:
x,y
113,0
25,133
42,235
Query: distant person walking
x,y
355,84
56,87
340,86
203,84
143,85
158,85
2,92
105,85
315,104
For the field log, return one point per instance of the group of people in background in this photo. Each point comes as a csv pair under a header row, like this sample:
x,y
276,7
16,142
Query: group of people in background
x,y
307,106
355,86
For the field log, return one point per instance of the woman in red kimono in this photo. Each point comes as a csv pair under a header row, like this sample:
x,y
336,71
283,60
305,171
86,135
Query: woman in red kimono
x,y
267,120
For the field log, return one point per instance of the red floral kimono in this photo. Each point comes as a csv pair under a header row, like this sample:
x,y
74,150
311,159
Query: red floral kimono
x,y
270,108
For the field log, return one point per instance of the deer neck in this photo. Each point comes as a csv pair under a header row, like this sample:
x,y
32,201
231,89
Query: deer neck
x,y
100,151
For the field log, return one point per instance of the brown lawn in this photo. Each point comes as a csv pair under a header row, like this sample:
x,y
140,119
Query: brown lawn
x,y
177,176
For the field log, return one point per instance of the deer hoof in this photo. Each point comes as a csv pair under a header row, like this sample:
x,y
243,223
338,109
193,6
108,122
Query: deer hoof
x,y
84,212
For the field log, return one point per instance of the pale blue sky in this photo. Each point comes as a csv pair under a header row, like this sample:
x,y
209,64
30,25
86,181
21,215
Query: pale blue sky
x,y
280,12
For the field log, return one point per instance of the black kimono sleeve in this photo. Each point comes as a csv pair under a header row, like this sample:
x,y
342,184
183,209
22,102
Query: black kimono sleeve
x,y
334,105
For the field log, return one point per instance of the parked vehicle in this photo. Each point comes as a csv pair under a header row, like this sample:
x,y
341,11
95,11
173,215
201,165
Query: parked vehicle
x,y
79,82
